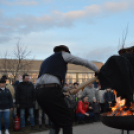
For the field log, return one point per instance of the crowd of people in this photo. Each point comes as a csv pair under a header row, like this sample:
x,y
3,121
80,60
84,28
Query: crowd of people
x,y
20,100
89,102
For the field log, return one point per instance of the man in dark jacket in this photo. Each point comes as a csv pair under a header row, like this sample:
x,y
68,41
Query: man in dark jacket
x,y
109,99
24,99
49,87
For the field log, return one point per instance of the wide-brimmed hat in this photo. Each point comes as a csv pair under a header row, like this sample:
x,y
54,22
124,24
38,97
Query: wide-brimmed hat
x,y
126,50
61,47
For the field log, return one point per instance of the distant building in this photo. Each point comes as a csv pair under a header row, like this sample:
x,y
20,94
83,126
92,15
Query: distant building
x,y
75,72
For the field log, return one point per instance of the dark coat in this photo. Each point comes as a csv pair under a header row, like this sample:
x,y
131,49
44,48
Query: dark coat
x,y
25,95
6,100
118,73
109,96
96,107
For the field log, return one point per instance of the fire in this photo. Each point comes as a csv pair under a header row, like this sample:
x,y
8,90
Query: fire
x,y
120,109
119,104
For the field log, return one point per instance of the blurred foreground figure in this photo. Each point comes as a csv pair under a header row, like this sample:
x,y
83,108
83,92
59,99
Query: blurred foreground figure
x,y
118,73
49,87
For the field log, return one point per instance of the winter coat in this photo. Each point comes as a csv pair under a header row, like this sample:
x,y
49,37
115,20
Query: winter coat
x,y
6,101
109,96
118,73
96,107
72,101
82,108
11,88
25,95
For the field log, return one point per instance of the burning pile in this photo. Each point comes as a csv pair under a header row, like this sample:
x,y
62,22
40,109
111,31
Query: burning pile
x,y
120,108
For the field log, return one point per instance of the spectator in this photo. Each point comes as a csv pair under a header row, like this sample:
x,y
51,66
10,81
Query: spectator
x,y
96,109
66,90
70,100
102,100
83,110
72,106
70,84
90,92
12,91
6,104
9,86
109,99
24,99
16,83
79,94
95,84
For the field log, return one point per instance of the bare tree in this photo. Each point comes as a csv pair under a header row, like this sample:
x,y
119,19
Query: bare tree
x,y
124,36
18,62
4,64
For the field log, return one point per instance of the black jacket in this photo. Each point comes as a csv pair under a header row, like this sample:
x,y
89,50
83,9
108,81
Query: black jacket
x,y
96,107
25,95
118,73
6,100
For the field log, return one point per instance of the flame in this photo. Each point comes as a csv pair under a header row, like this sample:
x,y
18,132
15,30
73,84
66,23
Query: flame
x,y
115,93
120,109
119,104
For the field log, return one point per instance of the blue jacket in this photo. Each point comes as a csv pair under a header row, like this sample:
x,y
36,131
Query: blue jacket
x,y
109,96
6,100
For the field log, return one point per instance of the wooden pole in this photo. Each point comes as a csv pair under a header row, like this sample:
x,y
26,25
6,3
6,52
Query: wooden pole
x,y
74,91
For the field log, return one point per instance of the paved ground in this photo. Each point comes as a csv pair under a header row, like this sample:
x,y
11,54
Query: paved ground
x,y
91,128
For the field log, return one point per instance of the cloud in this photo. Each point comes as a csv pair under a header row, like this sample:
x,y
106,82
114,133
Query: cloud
x,y
101,54
117,6
25,24
23,2
19,2
5,39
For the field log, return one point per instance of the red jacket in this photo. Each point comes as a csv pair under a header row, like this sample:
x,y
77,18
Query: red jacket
x,y
82,108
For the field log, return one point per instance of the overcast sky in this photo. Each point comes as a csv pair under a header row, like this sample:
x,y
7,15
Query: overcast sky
x,y
90,28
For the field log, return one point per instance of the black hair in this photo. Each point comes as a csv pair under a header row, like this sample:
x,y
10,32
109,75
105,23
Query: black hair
x,y
25,76
2,80
4,77
83,100
76,83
